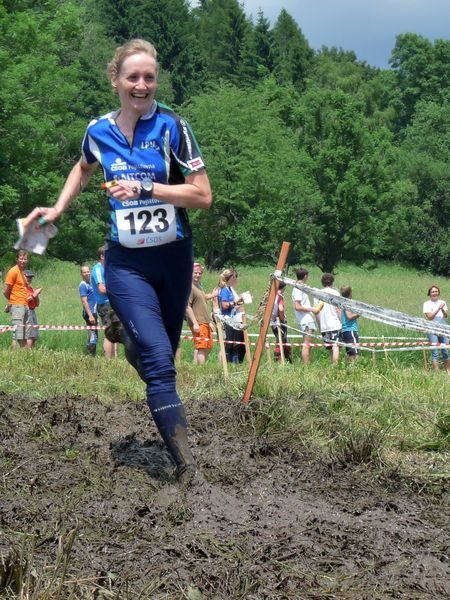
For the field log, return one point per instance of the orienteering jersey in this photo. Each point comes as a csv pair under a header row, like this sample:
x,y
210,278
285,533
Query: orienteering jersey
x,y
165,150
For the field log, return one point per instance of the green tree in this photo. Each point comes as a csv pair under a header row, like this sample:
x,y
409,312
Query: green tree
x,y
223,33
424,217
257,59
421,71
353,174
259,176
292,55
40,108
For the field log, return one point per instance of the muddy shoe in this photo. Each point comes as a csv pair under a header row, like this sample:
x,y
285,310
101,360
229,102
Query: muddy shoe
x,y
114,328
189,476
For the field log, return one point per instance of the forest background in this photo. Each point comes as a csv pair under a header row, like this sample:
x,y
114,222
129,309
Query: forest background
x,y
346,161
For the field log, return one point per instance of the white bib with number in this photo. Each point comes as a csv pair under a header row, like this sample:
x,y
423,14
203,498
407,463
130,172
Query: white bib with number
x,y
141,226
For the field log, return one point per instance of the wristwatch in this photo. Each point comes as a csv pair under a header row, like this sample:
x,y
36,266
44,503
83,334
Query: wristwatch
x,y
147,187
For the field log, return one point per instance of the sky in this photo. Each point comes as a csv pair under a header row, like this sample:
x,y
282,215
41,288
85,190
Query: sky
x,y
368,27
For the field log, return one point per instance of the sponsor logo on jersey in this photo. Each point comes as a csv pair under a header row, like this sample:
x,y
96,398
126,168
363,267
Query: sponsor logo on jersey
x,y
153,240
119,165
130,203
195,163
187,137
149,144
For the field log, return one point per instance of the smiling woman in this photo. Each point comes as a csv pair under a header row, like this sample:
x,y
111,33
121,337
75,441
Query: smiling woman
x,y
153,171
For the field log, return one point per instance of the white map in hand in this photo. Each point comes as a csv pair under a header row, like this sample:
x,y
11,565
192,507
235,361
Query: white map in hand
x,y
33,236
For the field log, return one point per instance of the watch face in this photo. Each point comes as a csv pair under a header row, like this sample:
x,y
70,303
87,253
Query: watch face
x,y
147,185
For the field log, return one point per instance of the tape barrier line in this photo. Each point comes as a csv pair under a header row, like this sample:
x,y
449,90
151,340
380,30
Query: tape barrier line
x,y
373,346
373,312
56,327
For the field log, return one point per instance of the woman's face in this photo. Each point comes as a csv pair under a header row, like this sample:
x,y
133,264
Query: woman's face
x,y
136,83
434,293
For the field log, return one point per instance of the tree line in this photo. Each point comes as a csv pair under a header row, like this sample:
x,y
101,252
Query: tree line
x,y
346,161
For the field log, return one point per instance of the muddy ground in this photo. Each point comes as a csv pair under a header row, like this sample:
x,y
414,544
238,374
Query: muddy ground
x,y
89,509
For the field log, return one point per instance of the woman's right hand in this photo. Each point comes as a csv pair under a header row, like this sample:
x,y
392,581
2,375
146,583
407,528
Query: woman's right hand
x,y
47,214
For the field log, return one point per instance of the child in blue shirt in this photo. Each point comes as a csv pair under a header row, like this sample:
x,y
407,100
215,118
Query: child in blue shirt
x,y
349,330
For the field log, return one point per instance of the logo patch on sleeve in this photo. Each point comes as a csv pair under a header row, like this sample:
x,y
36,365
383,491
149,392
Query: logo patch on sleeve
x,y
195,163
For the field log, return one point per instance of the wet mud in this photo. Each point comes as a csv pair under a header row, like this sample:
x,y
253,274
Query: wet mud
x,y
89,508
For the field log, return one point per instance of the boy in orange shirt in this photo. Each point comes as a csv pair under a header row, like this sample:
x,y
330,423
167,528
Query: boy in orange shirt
x,y
15,291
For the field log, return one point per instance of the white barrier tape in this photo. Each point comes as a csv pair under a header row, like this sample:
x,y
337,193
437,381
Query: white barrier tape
x,y
414,345
373,312
56,327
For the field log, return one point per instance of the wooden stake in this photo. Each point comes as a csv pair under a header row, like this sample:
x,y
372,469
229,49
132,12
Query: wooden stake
x,y
222,354
280,342
248,353
265,324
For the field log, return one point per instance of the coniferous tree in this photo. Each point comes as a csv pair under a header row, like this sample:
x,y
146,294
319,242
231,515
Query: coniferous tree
x,y
223,29
257,61
293,57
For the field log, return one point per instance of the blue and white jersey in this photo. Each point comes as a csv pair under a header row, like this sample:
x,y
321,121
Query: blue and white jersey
x,y
87,290
165,150
98,276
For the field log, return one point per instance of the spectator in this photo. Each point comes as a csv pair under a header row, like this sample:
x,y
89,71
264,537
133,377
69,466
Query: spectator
x,y
102,300
350,335
230,306
89,313
278,322
15,292
304,313
330,319
198,317
32,329
436,310
153,171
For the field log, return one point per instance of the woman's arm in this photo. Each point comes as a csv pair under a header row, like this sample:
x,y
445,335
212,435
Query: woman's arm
x,y
75,183
430,315
195,192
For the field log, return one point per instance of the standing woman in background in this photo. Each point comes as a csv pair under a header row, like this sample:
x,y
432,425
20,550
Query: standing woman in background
x,y
229,306
153,172
436,310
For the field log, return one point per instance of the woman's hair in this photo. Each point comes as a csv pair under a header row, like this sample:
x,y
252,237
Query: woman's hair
x,y
136,46
225,276
432,288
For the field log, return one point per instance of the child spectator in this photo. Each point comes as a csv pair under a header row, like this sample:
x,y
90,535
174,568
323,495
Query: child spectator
x,y
15,292
350,334
330,319
32,329
304,313
278,322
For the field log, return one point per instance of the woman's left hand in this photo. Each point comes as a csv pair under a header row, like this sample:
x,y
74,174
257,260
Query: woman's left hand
x,y
125,190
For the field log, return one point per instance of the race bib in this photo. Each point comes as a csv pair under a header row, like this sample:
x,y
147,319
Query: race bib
x,y
143,226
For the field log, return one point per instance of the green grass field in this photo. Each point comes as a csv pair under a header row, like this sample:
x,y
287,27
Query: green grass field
x,y
388,286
